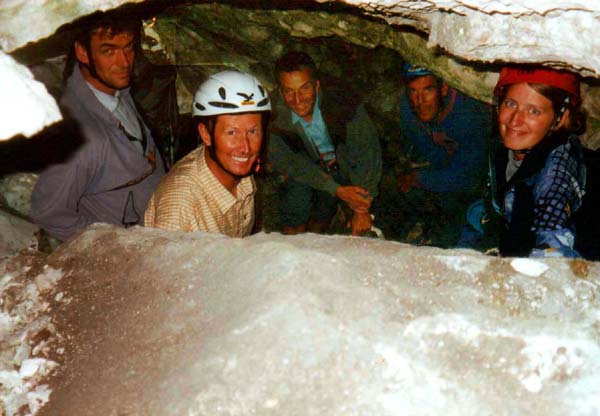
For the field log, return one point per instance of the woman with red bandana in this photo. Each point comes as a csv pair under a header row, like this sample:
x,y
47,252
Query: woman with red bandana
x,y
538,174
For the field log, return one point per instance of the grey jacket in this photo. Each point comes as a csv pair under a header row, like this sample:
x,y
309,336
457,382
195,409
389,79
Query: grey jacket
x,y
91,184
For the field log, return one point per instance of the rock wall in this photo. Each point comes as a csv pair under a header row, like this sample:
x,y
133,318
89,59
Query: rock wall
x,y
24,21
26,106
561,33
201,39
470,33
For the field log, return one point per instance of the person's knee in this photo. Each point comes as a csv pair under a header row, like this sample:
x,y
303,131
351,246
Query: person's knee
x,y
291,230
317,227
295,206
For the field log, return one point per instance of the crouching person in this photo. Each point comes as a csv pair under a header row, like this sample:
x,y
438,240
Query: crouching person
x,y
212,188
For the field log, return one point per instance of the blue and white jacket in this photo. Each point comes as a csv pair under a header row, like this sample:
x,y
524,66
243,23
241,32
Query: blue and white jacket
x,y
538,202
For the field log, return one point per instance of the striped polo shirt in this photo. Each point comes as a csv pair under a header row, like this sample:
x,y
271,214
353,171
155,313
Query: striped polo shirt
x,y
190,198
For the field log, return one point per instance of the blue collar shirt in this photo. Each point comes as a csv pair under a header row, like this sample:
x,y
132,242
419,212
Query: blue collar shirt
x,y
122,107
316,131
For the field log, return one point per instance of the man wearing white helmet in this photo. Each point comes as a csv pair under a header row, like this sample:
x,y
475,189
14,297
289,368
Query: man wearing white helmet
x,y
212,188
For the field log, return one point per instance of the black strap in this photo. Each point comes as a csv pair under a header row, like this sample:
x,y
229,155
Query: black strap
x,y
151,158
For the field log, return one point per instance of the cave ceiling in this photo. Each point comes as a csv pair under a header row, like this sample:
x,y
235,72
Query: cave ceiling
x,y
464,42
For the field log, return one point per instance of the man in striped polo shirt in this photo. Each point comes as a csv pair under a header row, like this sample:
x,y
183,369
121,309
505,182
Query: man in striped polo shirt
x,y
212,188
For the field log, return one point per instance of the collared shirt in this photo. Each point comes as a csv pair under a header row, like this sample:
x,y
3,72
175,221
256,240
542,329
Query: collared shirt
x,y
316,130
190,198
122,106
512,166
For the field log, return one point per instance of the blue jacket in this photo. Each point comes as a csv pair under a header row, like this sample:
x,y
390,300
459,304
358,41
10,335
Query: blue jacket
x,y
538,202
90,185
465,121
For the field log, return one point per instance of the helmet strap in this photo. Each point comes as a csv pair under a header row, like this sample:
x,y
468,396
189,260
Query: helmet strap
x,y
561,113
91,67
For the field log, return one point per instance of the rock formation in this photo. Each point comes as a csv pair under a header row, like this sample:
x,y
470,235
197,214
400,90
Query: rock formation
x,y
454,38
143,321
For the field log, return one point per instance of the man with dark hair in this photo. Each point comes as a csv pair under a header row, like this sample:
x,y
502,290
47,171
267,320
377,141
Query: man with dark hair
x,y
324,147
212,188
112,174
448,133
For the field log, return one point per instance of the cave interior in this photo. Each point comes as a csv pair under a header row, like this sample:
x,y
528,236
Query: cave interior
x,y
184,42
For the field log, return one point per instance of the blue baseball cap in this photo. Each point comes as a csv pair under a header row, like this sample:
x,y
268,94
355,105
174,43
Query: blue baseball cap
x,y
410,70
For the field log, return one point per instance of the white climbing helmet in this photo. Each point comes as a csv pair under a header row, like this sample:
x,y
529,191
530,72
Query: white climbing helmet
x,y
230,92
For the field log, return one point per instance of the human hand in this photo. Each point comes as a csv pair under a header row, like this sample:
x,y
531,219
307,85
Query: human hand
x,y
361,223
440,138
407,181
357,198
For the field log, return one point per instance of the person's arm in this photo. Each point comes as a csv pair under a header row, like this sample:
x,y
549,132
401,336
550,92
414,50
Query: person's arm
x,y
360,159
299,167
360,155
55,198
557,195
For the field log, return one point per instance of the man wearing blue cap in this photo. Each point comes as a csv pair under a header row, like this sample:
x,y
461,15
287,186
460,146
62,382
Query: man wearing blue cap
x,y
447,133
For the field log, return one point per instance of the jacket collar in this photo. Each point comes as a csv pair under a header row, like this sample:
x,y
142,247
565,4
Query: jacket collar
x,y
535,160
79,86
